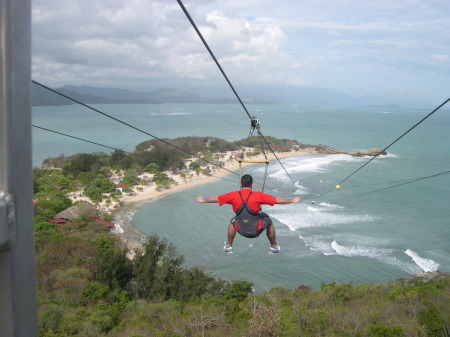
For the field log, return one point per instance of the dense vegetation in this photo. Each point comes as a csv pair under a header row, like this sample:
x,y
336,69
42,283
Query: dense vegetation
x,y
87,287
168,154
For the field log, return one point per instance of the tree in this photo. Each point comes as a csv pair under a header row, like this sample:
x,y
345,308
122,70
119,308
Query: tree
x,y
265,322
238,290
95,188
195,283
131,178
47,207
114,268
145,264
206,315
116,157
161,179
81,163
196,165
152,168
158,272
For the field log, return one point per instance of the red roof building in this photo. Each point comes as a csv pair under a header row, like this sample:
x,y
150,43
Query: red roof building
x,y
60,222
108,224
120,186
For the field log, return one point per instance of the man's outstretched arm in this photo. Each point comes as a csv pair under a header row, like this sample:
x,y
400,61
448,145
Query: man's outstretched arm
x,y
288,201
208,200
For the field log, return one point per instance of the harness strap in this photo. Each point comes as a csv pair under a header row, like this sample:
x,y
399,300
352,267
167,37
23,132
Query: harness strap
x,y
253,214
245,205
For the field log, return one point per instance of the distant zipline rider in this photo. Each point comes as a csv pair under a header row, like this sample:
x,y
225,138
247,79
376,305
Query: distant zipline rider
x,y
254,124
249,220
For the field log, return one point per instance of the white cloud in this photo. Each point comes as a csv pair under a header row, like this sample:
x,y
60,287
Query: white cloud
x,y
344,44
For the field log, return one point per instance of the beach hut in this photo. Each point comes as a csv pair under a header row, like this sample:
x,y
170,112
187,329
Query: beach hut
x,y
120,187
75,211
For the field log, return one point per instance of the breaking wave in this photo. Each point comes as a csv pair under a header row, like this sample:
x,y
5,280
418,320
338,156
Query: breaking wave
x,y
425,264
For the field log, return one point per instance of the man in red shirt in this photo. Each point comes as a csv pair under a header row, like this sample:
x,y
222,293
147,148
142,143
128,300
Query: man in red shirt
x,y
249,220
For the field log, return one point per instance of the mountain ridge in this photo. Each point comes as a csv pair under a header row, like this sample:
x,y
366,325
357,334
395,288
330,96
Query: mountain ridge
x,y
286,95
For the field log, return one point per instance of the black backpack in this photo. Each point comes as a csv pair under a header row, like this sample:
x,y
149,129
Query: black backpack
x,y
247,222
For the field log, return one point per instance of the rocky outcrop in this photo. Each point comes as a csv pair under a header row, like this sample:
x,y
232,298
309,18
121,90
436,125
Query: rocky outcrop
x,y
370,152
429,275
330,150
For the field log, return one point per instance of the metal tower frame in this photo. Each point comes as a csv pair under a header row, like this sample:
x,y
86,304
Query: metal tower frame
x,y
17,265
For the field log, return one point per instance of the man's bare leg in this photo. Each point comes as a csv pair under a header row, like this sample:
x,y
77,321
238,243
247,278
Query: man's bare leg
x,y
270,231
231,235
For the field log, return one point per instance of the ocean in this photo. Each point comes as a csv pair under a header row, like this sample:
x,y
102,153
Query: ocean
x,y
389,220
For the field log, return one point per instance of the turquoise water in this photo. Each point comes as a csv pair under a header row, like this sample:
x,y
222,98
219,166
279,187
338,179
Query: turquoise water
x,y
354,234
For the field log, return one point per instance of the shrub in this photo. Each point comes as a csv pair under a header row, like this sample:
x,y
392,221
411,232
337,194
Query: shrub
x,y
95,290
265,322
238,290
43,226
433,322
381,330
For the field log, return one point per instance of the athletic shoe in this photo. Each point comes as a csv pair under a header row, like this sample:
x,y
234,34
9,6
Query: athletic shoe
x,y
227,249
274,250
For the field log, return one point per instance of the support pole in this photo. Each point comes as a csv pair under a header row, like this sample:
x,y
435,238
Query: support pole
x,y
17,270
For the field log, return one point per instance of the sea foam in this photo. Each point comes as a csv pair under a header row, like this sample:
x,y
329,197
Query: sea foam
x,y
384,255
305,164
425,264
322,215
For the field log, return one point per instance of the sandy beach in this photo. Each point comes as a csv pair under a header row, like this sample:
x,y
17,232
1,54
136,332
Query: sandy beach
x,y
151,193
133,238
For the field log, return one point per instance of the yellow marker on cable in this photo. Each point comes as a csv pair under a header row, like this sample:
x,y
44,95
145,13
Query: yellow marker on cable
x,y
338,187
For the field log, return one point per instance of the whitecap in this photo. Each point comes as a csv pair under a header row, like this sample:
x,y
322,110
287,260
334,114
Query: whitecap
x,y
383,255
302,164
390,155
318,243
295,218
425,264
328,206
352,251
301,190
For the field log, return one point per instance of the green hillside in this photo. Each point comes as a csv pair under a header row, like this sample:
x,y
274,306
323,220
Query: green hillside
x,y
87,287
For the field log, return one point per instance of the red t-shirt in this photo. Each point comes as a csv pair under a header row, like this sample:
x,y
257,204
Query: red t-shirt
x,y
256,199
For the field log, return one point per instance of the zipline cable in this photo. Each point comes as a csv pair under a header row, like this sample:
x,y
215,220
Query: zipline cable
x,y
389,187
379,153
226,78
212,55
279,161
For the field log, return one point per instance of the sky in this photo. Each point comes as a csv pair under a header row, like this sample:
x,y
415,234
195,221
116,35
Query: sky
x,y
397,49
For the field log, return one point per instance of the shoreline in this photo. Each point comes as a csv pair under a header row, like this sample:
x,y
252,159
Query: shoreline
x,y
133,238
